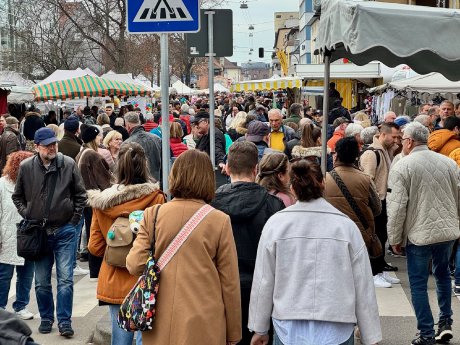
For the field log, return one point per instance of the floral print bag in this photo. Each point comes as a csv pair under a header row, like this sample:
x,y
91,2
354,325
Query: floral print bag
x,y
137,311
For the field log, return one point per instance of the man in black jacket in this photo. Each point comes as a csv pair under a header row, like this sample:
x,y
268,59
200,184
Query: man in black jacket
x,y
69,198
249,207
204,144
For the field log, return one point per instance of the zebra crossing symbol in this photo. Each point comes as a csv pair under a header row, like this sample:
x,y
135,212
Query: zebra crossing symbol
x,y
162,10
167,16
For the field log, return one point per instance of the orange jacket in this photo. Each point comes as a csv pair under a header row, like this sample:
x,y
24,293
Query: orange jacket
x,y
335,137
443,141
455,155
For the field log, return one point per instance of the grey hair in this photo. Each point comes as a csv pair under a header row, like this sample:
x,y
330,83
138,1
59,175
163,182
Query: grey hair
x,y
353,129
423,119
367,134
119,122
148,116
132,117
296,108
416,131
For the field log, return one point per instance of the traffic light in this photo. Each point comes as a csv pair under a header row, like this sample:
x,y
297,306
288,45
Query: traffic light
x,y
261,52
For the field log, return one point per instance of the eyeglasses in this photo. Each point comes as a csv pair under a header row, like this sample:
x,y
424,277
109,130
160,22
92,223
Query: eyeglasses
x,y
406,139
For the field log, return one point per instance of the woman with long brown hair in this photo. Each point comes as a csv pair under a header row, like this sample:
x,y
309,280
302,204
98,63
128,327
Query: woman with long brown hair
x,y
310,146
274,176
9,260
199,296
135,190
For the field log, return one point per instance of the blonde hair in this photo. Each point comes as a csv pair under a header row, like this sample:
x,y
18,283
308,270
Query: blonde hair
x,y
176,130
239,120
111,136
362,119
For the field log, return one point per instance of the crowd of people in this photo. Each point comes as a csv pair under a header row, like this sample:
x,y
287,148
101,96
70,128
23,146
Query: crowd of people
x,y
282,238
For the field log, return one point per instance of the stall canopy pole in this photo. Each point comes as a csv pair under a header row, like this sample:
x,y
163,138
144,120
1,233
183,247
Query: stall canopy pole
x,y
165,152
212,128
327,70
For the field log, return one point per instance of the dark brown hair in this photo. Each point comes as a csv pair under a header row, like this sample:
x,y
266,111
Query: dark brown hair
x,y
306,180
310,135
11,168
242,158
269,167
132,167
192,177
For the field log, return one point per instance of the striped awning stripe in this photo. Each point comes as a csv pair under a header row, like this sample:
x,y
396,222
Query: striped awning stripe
x,y
266,84
86,86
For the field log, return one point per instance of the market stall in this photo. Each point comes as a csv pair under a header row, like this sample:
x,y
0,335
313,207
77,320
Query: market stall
x,y
394,34
86,86
266,84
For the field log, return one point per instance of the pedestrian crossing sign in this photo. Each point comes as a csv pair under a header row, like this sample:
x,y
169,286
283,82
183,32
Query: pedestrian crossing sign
x,y
156,16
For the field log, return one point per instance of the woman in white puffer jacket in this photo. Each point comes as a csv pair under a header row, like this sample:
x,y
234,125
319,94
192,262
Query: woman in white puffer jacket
x,y
9,259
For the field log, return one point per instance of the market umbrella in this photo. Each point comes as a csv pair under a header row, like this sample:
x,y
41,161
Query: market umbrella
x,y
365,31
86,86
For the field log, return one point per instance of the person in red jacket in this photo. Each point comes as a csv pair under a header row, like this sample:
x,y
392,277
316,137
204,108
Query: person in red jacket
x,y
176,133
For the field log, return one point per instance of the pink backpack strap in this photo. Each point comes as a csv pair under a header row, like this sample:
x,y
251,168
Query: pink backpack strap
x,y
182,236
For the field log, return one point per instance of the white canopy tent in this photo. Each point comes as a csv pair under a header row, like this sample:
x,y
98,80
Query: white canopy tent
x,y
63,74
183,89
364,31
430,83
126,78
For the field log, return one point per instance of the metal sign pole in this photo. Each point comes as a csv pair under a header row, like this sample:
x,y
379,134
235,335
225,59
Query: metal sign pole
x,y
212,126
327,69
165,152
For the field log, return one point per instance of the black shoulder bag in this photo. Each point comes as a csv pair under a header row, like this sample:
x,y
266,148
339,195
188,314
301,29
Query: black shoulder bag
x,y
32,239
374,247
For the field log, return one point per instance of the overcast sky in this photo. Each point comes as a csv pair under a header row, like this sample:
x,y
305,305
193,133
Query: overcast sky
x,y
260,13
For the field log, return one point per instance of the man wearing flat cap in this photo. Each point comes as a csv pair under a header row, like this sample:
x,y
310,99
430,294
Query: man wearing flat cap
x,y
33,186
10,140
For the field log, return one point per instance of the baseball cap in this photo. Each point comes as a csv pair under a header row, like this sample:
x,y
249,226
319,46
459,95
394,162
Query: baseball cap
x,y
71,124
11,120
338,121
401,121
45,136
202,115
256,131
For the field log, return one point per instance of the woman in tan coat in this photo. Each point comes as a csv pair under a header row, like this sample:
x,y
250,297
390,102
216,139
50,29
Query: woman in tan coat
x,y
134,191
199,295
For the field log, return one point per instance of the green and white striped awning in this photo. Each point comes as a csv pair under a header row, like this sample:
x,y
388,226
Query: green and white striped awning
x,y
87,86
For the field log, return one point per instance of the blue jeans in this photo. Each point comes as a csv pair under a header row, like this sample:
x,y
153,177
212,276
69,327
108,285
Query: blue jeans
x,y
62,250
119,335
78,229
418,260
350,341
25,275
457,267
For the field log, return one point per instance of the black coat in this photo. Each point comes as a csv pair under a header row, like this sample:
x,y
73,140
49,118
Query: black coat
x,y
249,207
204,144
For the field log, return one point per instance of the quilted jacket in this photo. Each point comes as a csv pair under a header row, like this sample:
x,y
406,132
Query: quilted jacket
x,y
423,199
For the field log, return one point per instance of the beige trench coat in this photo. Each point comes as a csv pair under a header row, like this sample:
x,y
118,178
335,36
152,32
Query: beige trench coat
x,y
199,295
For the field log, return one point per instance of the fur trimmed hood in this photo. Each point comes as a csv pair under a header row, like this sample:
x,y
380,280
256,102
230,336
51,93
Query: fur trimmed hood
x,y
241,130
119,194
315,151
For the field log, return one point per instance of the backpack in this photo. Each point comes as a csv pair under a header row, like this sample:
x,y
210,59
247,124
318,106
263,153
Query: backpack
x,y
22,141
376,151
120,238
89,120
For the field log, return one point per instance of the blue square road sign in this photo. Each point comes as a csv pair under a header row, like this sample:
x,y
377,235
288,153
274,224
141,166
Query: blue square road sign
x,y
155,16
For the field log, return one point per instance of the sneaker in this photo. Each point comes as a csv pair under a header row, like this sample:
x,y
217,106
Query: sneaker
x,y
423,341
389,268
83,257
380,282
444,333
66,330
457,290
78,271
24,314
45,327
389,278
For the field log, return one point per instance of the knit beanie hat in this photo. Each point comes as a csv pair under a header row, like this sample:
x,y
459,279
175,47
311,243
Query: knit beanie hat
x,y
88,133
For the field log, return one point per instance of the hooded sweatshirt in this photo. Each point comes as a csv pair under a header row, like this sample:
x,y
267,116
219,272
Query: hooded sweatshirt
x,y
249,207
443,141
